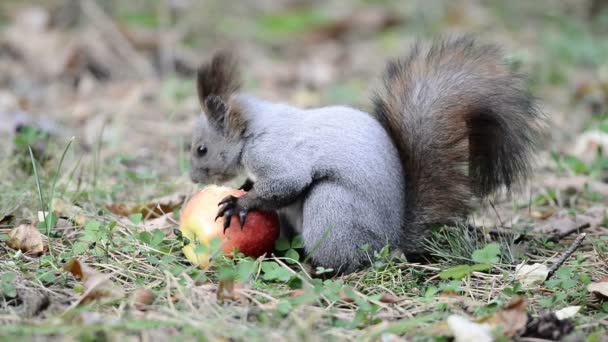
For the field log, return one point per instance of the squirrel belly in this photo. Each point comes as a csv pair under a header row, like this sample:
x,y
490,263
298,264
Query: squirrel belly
x,y
452,125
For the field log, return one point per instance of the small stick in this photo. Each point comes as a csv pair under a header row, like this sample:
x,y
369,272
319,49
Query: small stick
x,y
558,236
575,245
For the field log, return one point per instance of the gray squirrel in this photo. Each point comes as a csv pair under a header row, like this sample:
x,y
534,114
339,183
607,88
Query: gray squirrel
x,y
452,124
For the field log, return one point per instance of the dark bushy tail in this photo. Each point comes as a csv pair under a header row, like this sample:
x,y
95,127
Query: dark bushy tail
x,y
464,125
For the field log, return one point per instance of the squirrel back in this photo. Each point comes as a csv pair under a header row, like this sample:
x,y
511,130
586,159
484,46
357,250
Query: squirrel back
x,y
465,126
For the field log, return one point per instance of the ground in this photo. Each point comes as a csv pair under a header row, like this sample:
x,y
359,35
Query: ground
x,y
103,93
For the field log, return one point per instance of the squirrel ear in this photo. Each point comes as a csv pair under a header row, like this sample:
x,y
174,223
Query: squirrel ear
x,y
216,82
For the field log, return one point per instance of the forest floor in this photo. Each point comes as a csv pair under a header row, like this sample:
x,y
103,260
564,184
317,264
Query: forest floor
x,y
104,95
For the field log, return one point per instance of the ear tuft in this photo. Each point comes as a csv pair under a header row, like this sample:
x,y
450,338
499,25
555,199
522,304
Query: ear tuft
x,y
218,77
217,80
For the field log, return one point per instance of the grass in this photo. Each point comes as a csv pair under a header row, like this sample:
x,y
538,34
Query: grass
x,y
187,304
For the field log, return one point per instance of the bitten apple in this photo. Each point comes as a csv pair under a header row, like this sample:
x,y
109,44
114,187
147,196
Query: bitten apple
x,y
198,224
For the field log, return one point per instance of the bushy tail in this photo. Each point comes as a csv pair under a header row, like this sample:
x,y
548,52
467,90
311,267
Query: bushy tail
x,y
464,125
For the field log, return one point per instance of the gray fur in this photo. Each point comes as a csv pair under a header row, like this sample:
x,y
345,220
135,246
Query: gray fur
x,y
223,159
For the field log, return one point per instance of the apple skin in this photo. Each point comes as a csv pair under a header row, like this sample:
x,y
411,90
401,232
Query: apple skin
x,y
198,224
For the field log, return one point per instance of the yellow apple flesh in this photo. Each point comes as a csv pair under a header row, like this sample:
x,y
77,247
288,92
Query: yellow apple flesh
x,y
198,224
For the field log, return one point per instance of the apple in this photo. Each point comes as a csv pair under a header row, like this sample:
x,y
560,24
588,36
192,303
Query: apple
x,y
198,224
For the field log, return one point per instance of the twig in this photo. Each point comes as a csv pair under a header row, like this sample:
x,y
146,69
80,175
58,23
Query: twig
x,y
502,224
558,236
575,245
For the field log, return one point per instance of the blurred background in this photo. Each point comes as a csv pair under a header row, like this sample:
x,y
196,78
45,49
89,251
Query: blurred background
x,y
118,75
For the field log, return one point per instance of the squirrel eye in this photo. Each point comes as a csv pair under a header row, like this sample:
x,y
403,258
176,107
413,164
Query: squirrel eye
x,y
201,151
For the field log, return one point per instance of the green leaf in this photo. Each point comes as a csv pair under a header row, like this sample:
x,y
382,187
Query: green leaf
x,y
284,307
575,164
481,267
201,249
136,218
456,272
564,272
568,284
490,254
245,269
292,254
79,247
145,237
297,242
273,271
281,244
157,238
216,243
553,283
7,284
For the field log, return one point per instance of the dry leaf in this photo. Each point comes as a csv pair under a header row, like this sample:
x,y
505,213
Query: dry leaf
x,y
563,221
542,214
464,330
69,211
154,209
599,288
26,238
390,298
297,293
512,318
531,275
97,286
142,298
567,312
164,223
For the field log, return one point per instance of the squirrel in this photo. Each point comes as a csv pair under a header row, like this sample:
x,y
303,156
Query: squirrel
x,y
452,124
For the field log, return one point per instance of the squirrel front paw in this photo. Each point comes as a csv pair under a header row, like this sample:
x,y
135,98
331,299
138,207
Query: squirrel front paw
x,y
229,207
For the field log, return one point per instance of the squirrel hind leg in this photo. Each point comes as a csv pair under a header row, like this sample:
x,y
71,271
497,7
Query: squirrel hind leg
x,y
334,236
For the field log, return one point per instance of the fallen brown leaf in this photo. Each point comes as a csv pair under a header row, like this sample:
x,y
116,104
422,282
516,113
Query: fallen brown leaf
x,y
390,298
154,209
27,238
564,222
97,286
531,275
512,318
599,288
142,299
296,293
69,211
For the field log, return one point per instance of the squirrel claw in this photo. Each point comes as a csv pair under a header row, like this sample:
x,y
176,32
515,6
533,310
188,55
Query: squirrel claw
x,y
242,217
228,208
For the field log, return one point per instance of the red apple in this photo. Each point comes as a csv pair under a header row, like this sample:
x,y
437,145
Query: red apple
x,y
198,224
